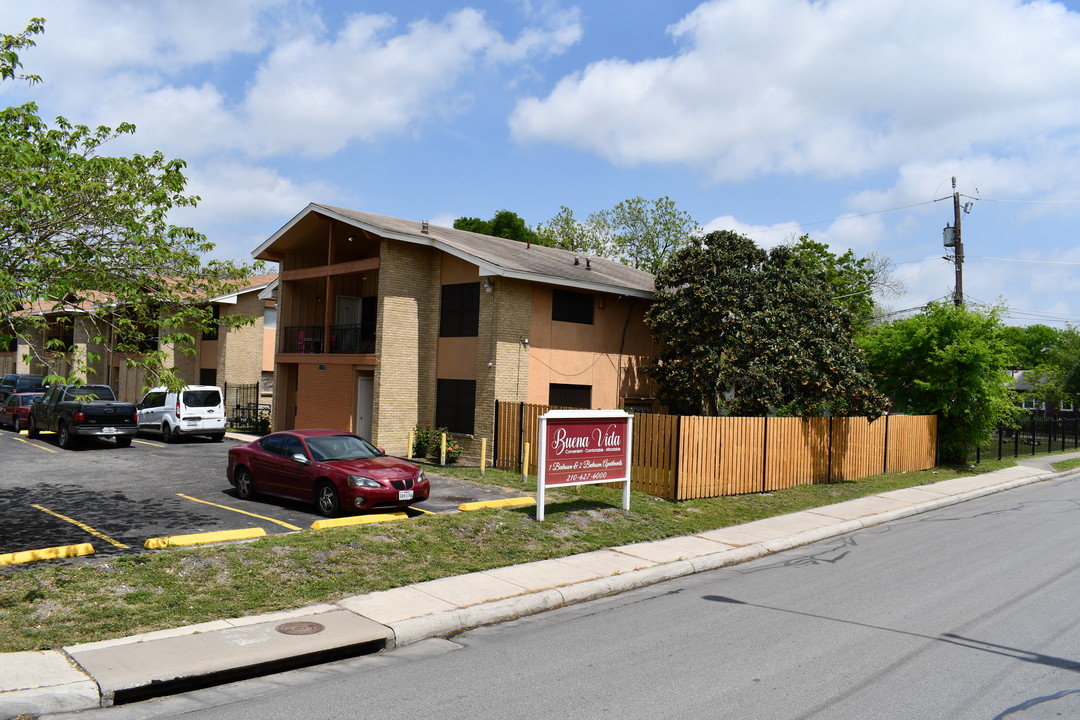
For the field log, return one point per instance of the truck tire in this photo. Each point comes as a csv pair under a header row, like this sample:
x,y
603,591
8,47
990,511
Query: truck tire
x,y
64,438
167,435
123,442
31,428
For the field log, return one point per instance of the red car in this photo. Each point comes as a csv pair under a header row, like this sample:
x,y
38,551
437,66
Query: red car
x,y
334,470
15,409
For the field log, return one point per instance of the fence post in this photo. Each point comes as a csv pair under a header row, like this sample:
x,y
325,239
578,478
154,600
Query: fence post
x,y
678,456
483,454
1000,432
521,430
495,438
765,457
828,461
885,460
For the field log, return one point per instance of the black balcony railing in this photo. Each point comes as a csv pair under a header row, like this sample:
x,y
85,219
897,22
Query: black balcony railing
x,y
352,339
302,339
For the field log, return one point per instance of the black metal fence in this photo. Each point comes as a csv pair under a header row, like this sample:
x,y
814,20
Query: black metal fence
x,y
1034,436
243,409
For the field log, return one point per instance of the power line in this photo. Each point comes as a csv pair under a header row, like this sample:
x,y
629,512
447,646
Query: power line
x,y
797,224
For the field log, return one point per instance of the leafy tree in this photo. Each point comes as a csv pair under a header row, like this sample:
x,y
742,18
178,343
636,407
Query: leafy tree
x,y
951,362
1034,346
854,281
743,331
504,224
84,233
565,231
643,233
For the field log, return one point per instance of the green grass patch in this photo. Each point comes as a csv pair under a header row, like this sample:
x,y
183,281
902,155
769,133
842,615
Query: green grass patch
x,y
70,602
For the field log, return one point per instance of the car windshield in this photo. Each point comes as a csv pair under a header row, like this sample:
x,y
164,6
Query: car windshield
x,y
340,447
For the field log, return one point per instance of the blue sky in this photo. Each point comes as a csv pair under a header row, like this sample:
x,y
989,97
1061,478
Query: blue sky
x,y
843,119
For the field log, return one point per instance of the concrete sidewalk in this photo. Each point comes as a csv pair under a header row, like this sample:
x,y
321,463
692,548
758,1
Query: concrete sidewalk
x,y
134,668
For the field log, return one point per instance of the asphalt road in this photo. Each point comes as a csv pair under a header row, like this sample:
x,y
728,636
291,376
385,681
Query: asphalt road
x,y
117,498
965,612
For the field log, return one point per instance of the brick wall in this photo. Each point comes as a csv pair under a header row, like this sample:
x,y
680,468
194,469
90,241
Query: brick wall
x,y
325,398
505,319
406,335
240,350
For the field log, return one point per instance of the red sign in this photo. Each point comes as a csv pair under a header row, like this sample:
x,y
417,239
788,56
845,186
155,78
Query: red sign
x,y
585,450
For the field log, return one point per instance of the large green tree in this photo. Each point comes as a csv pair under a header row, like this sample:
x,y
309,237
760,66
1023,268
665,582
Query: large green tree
x,y
644,233
951,362
84,234
855,281
504,224
743,331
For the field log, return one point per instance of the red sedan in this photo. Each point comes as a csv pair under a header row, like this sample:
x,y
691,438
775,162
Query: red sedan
x,y
15,409
332,469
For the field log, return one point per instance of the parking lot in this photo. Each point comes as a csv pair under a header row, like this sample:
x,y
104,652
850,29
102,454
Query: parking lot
x,y
118,498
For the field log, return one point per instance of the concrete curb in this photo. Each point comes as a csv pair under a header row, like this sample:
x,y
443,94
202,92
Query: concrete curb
x,y
88,676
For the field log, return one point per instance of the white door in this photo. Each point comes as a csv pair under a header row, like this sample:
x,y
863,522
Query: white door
x,y
365,399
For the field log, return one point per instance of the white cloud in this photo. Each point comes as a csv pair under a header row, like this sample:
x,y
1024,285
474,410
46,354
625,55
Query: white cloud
x,y
832,88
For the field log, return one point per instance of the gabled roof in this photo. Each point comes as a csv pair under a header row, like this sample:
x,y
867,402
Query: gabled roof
x,y
251,284
493,255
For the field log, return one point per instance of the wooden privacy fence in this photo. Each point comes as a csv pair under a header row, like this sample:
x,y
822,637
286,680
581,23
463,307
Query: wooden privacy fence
x,y
683,457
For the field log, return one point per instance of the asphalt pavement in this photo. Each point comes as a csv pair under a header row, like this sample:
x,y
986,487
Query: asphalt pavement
x,y
139,667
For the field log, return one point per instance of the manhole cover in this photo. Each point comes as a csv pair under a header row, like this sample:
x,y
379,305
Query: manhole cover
x,y
300,628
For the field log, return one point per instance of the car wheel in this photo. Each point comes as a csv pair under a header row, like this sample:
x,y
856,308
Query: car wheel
x,y
326,499
123,442
64,438
217,437
17,425
245,487
31,428
167,434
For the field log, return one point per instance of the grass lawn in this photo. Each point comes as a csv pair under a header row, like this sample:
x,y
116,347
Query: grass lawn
x,y
48,606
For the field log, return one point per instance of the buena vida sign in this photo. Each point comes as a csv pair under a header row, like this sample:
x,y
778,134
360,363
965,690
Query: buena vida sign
x,y
581,447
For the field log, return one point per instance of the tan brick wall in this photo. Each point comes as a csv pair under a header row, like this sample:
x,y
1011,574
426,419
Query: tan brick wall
x,y
240,350
406,335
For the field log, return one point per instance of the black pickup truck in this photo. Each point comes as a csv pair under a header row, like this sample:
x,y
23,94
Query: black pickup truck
x,y
73,411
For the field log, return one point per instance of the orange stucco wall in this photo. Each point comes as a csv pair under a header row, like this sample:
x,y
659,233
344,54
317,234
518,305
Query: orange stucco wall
x,y
606,355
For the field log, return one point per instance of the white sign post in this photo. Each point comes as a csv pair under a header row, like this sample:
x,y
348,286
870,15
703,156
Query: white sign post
x,y
583,447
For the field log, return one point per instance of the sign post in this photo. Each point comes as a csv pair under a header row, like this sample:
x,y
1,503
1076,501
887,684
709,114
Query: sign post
x,y
583,447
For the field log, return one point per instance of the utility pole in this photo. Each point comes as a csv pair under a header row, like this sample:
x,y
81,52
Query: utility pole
x,y
958,297
953,240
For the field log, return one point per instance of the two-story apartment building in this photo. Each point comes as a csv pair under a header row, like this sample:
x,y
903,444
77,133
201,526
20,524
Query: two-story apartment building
x,y
235,356
385,324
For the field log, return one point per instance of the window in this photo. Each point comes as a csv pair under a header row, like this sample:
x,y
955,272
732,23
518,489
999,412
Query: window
x,y
575,307
1067,405
1033,403
573,396
455,405
208,376
460,316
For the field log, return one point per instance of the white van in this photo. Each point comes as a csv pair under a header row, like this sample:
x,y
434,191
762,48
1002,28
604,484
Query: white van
x,y
195,410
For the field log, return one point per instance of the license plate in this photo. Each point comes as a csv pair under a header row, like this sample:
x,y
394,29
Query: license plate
x,y
108,431
404,494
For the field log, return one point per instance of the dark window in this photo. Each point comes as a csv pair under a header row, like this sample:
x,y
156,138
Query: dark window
x,y
455,405
460,310
208,376
573,396
575,307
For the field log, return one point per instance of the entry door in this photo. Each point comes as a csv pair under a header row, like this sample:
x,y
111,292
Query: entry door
x,y
365,401
348,310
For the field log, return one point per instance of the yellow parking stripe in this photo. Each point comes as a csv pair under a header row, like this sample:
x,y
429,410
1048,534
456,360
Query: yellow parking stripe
x,y
31,443
242,512
87,528
143,442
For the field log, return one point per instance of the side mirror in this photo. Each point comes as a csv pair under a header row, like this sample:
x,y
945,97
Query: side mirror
x,y
37,400
300,459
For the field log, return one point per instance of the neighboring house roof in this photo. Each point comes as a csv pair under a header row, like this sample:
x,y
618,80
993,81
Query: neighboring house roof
x,y
494,256
256,283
